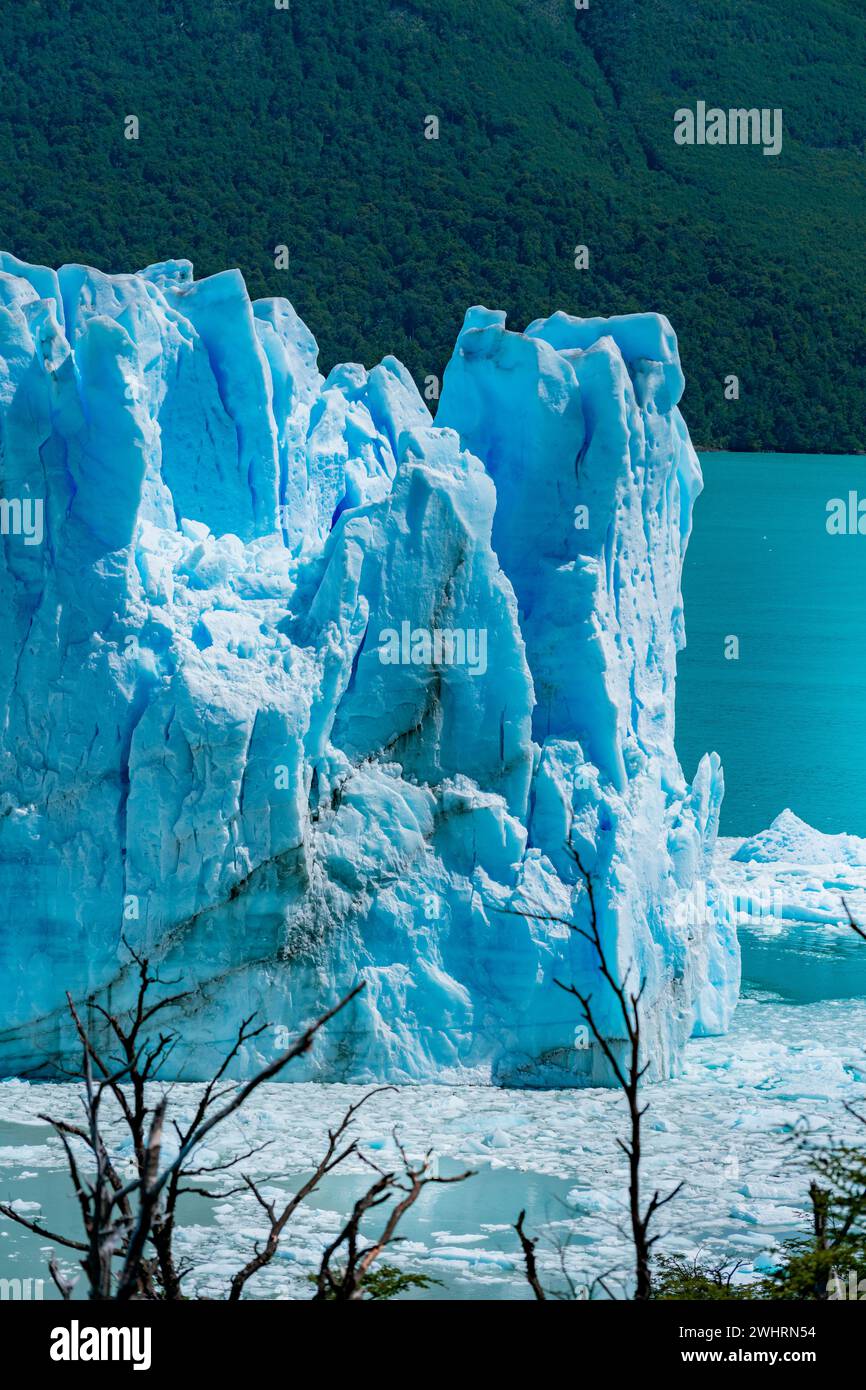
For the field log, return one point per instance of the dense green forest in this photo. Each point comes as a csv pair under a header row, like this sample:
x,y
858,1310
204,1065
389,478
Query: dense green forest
x,y
305,126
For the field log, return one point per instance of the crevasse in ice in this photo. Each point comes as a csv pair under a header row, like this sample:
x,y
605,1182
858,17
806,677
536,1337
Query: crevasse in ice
x,y
301,688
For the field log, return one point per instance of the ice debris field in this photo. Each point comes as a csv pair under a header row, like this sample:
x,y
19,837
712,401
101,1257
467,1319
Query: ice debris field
x,y
727,1127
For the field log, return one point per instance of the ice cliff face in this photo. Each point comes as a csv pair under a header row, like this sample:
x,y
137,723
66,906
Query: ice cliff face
x,y
301,688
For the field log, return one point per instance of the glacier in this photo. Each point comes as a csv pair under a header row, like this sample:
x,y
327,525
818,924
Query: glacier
x,y
302,687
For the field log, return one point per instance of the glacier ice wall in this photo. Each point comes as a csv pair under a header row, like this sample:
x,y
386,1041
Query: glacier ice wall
x,y
301,688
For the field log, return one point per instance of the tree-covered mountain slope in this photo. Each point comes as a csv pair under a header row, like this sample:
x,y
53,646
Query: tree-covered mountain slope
x,y
305,127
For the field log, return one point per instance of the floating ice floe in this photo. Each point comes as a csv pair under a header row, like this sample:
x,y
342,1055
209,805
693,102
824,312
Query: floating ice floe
x,y
792,873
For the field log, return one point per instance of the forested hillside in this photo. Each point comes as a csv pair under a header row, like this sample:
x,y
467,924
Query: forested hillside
x,y
306,127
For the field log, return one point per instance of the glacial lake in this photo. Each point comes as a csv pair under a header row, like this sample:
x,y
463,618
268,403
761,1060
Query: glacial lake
x,y
789,716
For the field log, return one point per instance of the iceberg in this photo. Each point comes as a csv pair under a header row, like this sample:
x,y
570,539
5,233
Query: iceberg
x,y
791,840
791,873
302,687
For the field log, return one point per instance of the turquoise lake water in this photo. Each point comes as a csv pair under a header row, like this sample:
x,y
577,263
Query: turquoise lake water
x,y
789,716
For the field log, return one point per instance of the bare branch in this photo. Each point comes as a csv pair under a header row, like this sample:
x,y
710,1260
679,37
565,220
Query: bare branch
x,y
528,1248
6,1210
65,1288
346,1283
333,1157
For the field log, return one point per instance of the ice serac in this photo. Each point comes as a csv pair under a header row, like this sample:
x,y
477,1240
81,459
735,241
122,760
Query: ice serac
x,y
301,688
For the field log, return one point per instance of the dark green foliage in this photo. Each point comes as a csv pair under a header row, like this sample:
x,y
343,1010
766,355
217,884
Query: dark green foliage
x,y
677,1280
387,1281
261,127
809,1273
806,1273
